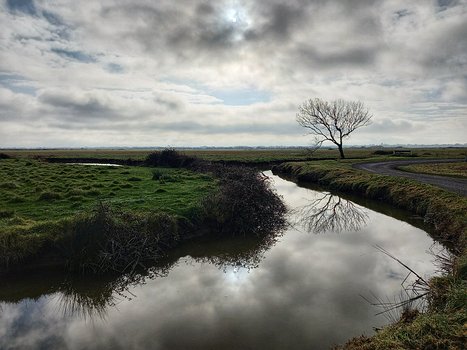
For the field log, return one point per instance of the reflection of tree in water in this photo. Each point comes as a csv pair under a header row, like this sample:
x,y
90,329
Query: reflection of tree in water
x,y
90,299
82,297
331,213
246,253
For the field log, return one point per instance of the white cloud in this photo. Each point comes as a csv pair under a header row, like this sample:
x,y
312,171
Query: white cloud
x,y
226,72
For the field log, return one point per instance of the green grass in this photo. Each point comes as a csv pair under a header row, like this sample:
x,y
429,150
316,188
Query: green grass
x,y
96,218
43,191
444,169
239,155
40,201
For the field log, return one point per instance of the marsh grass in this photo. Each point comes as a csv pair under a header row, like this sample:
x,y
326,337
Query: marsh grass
x,y
33,212
63,223
45,198
444,169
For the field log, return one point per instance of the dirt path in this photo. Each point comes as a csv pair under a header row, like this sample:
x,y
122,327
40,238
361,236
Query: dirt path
x,y
389,168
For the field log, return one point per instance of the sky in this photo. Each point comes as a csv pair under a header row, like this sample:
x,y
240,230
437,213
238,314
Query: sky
x,y
77,73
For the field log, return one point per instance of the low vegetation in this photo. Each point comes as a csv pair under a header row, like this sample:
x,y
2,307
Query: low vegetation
x,y
54,191
43,204
116,218
248,155
444,169
442,326
96,218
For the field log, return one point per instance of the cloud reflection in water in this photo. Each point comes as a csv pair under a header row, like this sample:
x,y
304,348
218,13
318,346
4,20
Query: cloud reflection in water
x,y
294,291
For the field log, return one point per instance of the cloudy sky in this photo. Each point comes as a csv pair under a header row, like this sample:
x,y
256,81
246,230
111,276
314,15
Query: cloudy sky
x,y
233,72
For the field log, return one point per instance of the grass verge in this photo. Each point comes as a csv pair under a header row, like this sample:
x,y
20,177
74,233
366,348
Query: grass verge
x,y
444,169
95,218
443,325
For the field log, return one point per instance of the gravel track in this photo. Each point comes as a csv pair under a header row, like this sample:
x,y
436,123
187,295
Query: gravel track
x,y
452,184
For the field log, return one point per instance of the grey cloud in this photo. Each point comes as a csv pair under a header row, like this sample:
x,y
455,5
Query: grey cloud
x,y
70,109
187,26
52,18
170,104
406,60
444,4
100,121
390,126
83,107
254,128
74,55
358,56
194,33
277,20
448,49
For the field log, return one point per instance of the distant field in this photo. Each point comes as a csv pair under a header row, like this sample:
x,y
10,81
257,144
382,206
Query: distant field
x,y
444,169
33,191
240,155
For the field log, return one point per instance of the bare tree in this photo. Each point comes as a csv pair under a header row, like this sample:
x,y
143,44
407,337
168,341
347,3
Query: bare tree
x,y
332,121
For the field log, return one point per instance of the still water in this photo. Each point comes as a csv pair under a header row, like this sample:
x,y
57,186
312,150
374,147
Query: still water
x,y
303,289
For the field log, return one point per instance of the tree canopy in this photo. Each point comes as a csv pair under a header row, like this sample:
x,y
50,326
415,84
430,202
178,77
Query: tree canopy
x,y
332,121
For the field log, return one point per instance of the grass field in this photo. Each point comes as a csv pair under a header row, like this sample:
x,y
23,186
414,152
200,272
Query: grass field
x,y
239,155
99,218
444,169
34,190
46,207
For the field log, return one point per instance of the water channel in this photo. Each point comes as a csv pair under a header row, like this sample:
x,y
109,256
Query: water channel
x,y
303,289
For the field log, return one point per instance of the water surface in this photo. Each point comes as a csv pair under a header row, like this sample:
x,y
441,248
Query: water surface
x,y
300,290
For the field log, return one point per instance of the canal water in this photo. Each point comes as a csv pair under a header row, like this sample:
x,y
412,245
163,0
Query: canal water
x,y
306,288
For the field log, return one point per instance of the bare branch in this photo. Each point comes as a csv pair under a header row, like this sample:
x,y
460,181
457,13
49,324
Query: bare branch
x,y
332,121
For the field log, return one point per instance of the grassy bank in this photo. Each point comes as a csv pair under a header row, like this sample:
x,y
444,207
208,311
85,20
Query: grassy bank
x,y
115,218
43,205
442,326
444,169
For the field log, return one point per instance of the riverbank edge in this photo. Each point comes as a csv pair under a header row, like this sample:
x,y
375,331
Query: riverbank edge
x,y
444,323
226,211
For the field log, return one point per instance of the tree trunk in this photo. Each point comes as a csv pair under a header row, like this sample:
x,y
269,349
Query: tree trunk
x,y
341,151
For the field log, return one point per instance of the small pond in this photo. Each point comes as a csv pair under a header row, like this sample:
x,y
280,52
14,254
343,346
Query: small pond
x,y
95,164
304,289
